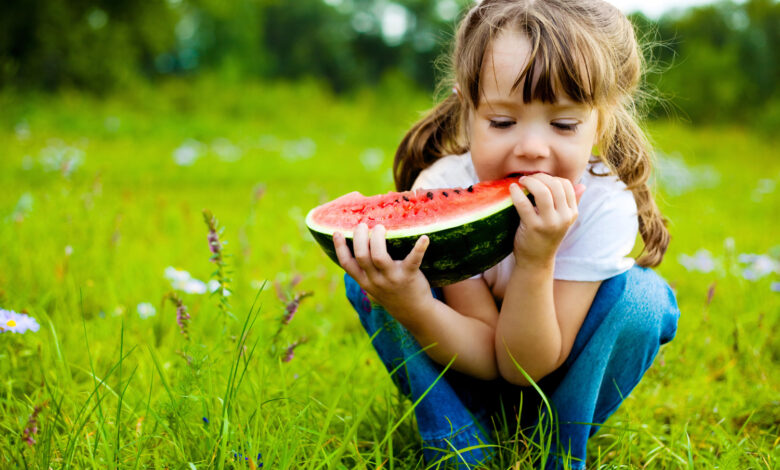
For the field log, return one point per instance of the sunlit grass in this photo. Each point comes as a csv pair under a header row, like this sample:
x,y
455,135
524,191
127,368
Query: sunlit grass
x,y
94,208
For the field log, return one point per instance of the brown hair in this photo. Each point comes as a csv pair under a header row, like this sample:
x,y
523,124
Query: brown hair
x,y
586,49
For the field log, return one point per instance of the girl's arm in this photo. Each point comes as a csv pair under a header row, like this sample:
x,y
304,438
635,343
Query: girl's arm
x,y
402,289
542,342
540,317
539,321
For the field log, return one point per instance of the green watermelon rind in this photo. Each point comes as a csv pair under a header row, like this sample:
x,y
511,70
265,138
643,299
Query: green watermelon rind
x,y
459,248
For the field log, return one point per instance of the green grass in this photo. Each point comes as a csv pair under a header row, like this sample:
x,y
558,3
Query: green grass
x,y
81,249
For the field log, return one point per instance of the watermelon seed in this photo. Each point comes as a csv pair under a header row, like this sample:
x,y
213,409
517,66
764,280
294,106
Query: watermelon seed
x,y
457,191
445,193
430,195
406,199
470,189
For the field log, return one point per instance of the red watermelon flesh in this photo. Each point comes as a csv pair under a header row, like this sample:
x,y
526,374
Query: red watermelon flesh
x,y
410,209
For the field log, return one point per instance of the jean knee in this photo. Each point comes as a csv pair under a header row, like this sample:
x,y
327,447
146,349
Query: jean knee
x,y
648,311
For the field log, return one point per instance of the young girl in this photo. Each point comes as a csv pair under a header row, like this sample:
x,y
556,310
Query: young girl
x,y
542,90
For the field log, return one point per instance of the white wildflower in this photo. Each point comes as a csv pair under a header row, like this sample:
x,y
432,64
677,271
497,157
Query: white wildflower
x,y
758,266
188,152
146,310
701,261
372,158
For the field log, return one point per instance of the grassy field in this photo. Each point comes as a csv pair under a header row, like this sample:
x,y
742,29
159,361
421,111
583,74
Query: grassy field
x,y
102,195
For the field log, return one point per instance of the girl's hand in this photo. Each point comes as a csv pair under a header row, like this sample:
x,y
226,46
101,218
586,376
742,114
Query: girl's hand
x,y
543,227
399,286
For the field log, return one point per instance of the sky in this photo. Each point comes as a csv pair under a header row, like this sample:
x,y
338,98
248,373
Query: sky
x,y
654,8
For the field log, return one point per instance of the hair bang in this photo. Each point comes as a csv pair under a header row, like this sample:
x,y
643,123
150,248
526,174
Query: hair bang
x,y
554,70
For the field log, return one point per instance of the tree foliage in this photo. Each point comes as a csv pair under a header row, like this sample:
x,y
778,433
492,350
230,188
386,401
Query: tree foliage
x,y
717,62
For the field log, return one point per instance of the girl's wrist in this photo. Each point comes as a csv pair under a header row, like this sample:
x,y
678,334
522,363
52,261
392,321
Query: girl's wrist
x,y
415,316
534,262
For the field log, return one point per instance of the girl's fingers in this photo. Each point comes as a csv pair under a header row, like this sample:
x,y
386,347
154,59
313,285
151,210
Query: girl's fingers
x,y
542,195
378,248
571,194
346,260
360,245
556,188
523,205
414,259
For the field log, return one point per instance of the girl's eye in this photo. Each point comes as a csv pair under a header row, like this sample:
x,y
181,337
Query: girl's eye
x,y
565,125
501,124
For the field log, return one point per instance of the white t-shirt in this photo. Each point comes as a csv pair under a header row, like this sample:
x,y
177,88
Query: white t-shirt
x,y
597,245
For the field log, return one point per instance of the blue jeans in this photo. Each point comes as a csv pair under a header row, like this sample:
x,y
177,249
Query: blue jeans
x,y
632,315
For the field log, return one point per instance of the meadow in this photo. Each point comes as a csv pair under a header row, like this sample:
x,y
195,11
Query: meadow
x,y
138,365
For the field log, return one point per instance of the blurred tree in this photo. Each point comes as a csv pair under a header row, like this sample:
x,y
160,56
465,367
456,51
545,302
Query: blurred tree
x,y
714,63
96,45
717,63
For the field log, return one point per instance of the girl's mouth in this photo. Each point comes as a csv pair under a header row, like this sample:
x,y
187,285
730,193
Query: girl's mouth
x,y
519,174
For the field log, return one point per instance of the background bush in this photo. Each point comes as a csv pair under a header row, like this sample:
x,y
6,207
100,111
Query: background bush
x,y
715,63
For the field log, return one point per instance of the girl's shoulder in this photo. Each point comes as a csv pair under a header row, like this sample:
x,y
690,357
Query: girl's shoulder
x,y
605,193
451,171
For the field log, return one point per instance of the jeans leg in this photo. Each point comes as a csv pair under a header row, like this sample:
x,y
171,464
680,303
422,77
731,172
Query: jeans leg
x,y
448,418
632,316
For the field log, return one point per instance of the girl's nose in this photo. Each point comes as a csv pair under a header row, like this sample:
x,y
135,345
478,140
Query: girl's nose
x,y
531,144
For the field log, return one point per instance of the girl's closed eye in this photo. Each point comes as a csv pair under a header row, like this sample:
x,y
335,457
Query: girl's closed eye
x,y
501,123
565,125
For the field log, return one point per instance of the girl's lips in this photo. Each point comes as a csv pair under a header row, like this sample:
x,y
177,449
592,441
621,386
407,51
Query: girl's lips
x,y
519,174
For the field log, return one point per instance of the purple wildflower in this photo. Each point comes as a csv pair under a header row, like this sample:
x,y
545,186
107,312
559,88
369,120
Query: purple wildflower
x,y
213,237
259,191
711,292
293,305
290,352
239,456
280,294
182,317
32,426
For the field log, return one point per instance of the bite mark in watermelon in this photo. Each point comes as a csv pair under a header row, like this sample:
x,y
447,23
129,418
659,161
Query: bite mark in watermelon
x,y
470,229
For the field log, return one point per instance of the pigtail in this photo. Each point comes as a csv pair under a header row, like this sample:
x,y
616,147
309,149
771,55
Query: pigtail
x,y
434,136
627,152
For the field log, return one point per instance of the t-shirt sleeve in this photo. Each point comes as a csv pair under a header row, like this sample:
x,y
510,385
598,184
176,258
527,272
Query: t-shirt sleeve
x,y
452,171
599,242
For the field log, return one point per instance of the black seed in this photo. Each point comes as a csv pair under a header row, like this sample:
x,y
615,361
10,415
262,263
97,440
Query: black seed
x,y
406,199
457,191
397,200
470,189
445,193
430,195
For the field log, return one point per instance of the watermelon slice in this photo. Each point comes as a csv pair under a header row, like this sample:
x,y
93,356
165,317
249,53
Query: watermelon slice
x,y
470,229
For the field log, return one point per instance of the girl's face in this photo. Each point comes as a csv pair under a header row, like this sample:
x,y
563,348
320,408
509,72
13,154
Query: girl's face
x,y
509,136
